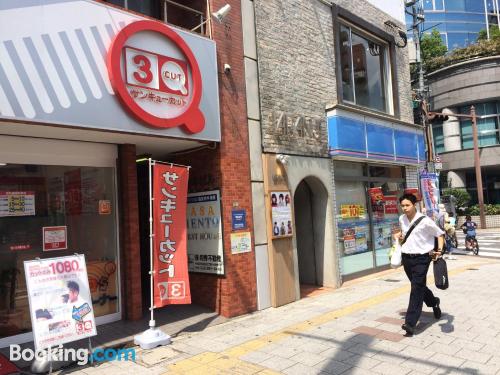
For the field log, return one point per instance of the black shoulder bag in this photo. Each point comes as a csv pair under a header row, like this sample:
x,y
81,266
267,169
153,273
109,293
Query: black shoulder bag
x,y
440,274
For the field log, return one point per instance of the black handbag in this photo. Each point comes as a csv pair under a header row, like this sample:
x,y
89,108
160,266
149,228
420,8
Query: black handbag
x,y
441,274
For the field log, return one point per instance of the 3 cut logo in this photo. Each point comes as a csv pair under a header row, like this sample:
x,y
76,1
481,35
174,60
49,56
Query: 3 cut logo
x,y
162,85
84,327
172,290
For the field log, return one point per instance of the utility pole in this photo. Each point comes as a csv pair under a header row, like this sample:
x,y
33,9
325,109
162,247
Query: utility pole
x,y
432,116
417,19
477,166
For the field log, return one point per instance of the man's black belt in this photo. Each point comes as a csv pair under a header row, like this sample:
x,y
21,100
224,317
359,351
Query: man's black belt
x,y
414,255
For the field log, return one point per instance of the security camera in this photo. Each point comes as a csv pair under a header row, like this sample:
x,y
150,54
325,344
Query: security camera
x,y
227,68
282,159
409,3
222,13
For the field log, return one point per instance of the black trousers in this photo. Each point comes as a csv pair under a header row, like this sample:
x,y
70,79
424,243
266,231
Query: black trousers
x,y
416,268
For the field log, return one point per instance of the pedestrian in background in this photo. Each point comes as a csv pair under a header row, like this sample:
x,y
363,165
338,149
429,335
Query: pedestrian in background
x,y
417,238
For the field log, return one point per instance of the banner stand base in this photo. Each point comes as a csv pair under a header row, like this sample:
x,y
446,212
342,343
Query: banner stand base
x,y
151,338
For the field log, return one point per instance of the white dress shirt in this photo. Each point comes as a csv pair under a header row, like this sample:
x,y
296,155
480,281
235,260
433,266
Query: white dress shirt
x,y
421,239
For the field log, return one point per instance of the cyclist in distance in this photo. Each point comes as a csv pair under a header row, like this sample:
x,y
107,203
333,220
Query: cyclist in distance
x,y
469,228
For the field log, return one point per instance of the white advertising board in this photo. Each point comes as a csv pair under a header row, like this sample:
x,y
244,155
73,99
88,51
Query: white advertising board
x,y
204,228
60,303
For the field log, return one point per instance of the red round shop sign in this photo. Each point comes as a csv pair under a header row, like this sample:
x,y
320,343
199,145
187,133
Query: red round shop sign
x,y
156,76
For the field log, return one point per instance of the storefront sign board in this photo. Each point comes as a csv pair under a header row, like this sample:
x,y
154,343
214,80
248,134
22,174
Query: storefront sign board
x,y
17,203
281,214
241,242
170,264
160,86
176,69
204,228
55,238
59,298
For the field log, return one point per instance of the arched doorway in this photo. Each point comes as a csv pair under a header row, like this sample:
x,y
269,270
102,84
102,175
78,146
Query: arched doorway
x,y
310,204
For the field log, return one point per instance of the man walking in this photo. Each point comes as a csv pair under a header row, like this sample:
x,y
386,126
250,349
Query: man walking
x,y
417,240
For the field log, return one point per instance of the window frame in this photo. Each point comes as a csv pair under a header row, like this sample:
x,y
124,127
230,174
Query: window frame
x,y
342,17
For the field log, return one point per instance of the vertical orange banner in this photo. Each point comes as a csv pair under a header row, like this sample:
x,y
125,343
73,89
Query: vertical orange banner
x,y
170,265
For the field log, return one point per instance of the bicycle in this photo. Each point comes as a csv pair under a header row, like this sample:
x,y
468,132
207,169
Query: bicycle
x,y
471,243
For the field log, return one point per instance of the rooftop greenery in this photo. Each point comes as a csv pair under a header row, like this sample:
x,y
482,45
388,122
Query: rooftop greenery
x,y
434,58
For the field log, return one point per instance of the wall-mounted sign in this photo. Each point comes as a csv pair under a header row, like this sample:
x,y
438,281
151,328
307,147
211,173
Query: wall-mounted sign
x,y
204,228
55,238
59,297
162,85
281,214
17,203
238,219
241,242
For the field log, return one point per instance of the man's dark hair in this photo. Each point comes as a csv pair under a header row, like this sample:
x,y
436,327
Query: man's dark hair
x,y
468,217
410,197
73,285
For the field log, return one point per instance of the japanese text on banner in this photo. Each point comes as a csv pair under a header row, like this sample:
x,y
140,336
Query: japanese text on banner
x,y
171,279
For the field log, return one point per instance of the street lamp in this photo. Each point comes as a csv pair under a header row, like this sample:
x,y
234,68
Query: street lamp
x,y
477,166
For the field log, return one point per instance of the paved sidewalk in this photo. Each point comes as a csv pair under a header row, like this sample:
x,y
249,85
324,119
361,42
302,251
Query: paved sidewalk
x,y
352,330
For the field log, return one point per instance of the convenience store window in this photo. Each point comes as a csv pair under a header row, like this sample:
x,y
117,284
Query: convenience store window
x,y
367,199
81,202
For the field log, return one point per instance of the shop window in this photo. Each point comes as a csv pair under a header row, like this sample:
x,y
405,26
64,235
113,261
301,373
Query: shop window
x,y
364,68
367,213
81,200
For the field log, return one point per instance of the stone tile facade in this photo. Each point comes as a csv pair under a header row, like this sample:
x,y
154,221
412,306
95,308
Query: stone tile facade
x,y
297,71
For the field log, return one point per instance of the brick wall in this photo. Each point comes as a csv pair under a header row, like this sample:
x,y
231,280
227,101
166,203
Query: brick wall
x,y
227,167
129,233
